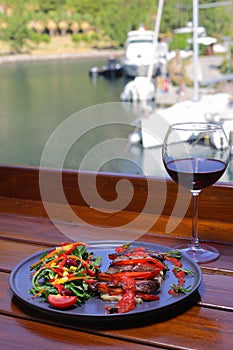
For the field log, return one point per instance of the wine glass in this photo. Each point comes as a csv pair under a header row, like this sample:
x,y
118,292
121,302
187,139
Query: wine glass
x,y
195,156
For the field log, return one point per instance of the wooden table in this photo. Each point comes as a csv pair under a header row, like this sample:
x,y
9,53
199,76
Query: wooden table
x,y
205,322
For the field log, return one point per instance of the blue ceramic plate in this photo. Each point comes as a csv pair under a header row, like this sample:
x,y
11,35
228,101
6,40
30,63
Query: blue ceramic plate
x,y
94,308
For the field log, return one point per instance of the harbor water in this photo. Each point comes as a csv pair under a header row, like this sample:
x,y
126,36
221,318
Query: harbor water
x,y
37,98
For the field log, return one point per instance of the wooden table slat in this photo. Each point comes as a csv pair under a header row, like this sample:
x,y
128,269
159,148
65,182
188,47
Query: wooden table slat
x,y
181,326
21,334
203,322
12,254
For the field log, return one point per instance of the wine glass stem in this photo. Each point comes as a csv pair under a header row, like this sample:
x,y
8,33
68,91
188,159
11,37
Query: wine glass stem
x,y
195,198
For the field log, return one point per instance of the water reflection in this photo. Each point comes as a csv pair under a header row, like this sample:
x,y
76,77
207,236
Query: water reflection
x,y
37,97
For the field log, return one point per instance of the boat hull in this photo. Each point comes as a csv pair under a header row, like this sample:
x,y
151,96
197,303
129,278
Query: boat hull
x,y
141,52
107,71
134,70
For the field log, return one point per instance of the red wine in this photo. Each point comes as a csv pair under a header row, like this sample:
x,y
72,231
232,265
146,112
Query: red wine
x,y
195,173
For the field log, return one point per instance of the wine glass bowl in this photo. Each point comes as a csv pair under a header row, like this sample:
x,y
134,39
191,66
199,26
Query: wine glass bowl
x,y
195,156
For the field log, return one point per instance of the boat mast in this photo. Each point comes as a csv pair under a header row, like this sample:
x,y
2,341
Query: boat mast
x,y
196,8
156,35
195,50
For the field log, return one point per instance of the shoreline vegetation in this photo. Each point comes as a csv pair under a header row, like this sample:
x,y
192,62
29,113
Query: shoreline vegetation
x,y
62,47
57,48
36,30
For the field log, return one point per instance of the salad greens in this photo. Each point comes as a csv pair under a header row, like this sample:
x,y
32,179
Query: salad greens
x,y
67,270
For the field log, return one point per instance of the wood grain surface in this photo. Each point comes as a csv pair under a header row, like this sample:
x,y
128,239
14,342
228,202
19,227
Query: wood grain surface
x,y
204,322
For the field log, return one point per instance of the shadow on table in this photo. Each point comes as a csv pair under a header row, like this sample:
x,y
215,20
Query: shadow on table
x,y
105,322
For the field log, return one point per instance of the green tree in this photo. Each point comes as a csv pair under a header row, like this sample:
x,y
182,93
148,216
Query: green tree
x,y
16,32
117,17
50,5
111,18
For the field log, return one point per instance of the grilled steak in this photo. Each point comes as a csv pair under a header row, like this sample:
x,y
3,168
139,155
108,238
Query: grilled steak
x,y
143,286
148,286
133,275
122,268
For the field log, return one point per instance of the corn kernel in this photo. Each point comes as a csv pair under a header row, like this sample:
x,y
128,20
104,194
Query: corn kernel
x,y
63,280
73,268
65,273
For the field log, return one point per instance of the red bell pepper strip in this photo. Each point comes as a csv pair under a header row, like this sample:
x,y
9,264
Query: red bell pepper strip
x,y
179,273
113,256
137,253
129,274
181,282
120,249
148,260
104,288
175,261
62,263
91,281
139,249
127,302
147,296
91,272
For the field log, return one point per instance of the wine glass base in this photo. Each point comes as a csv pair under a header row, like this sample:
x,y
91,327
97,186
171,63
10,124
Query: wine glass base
x,y
200,254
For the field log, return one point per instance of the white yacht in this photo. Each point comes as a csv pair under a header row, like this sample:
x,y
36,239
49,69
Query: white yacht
x,y
140,52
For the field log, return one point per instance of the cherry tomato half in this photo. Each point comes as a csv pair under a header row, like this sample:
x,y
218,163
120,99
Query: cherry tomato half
x,y
62,301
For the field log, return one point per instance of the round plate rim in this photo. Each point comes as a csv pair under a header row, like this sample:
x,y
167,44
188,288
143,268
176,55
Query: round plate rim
x,y
104,245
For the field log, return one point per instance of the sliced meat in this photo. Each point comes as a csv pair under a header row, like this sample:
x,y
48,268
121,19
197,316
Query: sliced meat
x,y
143,286
122,268
148,286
